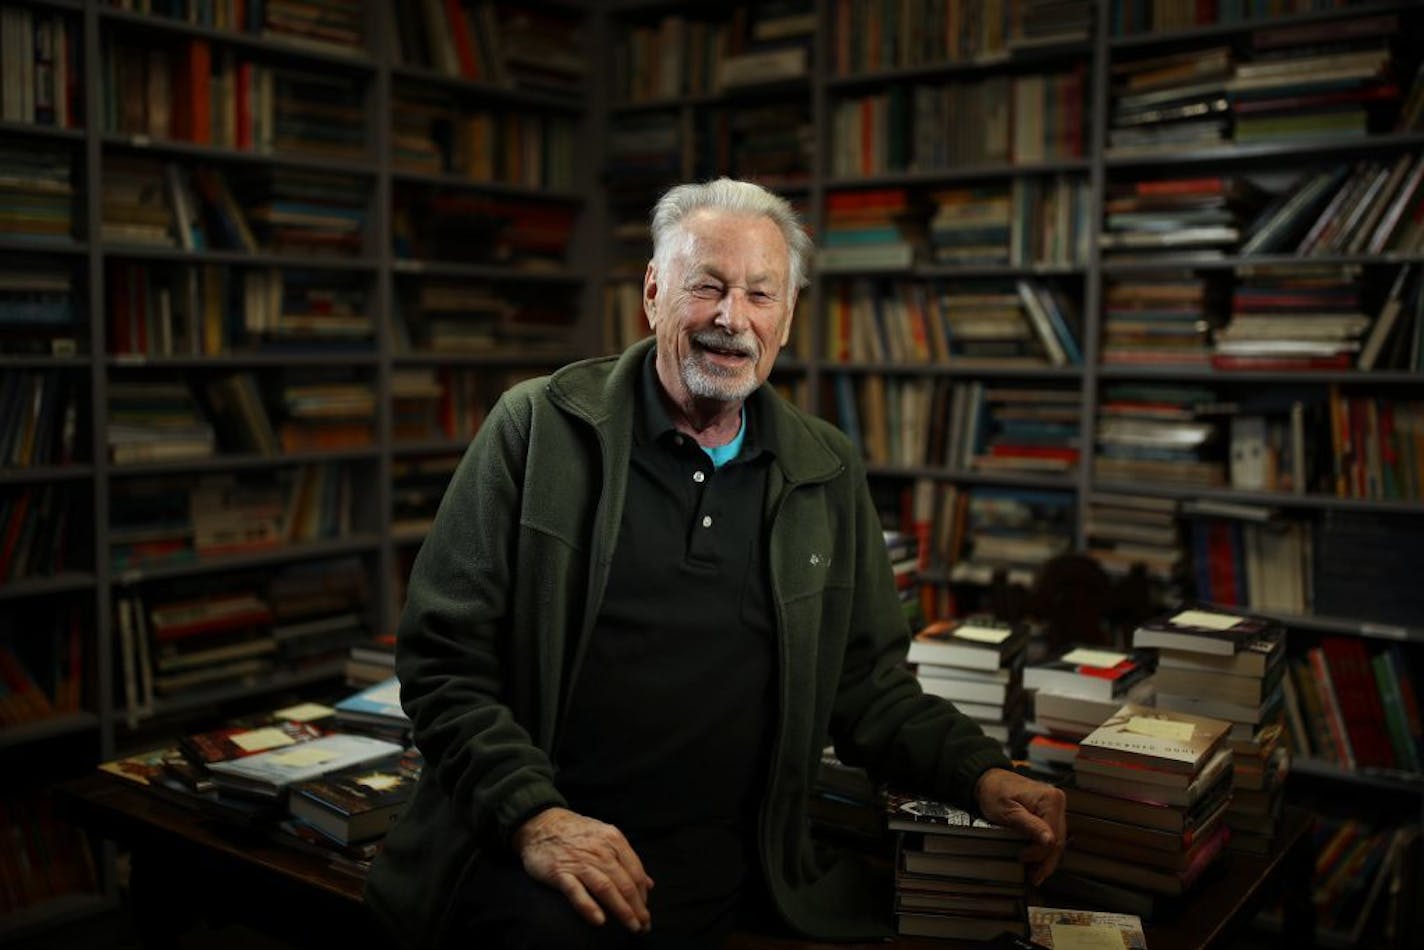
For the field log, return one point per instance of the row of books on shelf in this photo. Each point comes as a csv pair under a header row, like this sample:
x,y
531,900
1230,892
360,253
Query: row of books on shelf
x,y
1024,323
179,519
43,664
192,92
434,133
189,640
163,420
1284,83
927,33
45,857
684,54
38,419
995,120
493,43
40,75
310,23
38,526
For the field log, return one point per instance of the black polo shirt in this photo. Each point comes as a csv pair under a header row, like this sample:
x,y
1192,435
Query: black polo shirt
x,y
667,730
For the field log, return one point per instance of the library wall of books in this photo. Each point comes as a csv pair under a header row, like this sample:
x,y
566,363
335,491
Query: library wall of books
x,y
1132,284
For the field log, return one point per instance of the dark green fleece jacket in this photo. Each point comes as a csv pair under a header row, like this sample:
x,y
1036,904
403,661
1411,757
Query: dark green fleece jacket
x,y
504,594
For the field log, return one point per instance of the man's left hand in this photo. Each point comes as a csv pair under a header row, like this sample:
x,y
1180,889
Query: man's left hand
x,y
1034,808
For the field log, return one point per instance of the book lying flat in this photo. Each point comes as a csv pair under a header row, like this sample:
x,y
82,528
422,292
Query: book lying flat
x,y
1160,738
268,774
974,642
358,803
1202,631
1061,927
1157,880
911,813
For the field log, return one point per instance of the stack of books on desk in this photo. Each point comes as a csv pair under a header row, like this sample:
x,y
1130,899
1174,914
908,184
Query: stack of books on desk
x,y
1075,691
955,875
1230,666
1147,801
977,664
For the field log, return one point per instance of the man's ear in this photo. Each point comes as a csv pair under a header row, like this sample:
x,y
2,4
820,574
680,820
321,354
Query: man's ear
x,y
650,294
790,316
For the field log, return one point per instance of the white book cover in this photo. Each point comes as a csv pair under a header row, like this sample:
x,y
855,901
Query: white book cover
x,y
278,768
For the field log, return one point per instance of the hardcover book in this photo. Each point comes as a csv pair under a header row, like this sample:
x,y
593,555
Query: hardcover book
x,y
269,774
1088,672
978,643
245,738
358,803
1173,741
1061,927
1202,630
911,813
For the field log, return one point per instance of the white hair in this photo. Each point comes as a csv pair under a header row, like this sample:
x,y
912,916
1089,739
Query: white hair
x,y
726,194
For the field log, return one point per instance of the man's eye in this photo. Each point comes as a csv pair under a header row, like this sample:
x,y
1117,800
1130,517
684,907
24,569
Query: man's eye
x,y
707,290
761,296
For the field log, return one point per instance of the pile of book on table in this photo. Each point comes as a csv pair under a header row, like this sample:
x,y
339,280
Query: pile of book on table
x,y
1146,808
1073,692
955,875
1213,662
976,663
308,773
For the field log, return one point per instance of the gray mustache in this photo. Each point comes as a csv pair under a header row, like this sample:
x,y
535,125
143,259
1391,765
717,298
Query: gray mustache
x,y
720,341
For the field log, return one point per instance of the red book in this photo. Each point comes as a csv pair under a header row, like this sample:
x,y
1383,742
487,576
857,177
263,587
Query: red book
x,y
459,27
244,105
1182,186
1359,700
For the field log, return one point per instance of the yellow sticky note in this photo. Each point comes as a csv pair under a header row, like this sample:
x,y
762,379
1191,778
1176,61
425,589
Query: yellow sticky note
x,y
1086,937
256,740
1161,728
303,754
304,712
1207,619
1087,657
982,634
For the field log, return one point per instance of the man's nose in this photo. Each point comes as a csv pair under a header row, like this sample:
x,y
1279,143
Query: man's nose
x,y
735,313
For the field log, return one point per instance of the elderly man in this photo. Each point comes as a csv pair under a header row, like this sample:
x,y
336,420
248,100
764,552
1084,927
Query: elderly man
x,y
653,592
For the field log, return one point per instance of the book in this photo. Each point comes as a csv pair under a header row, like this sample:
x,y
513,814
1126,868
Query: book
x,y
1158,880
1201,630
913,813
1145,784
1089,672
1071,929
1158,815
957,927
269,774
1157,738
359,803
977,643
248,738
375,705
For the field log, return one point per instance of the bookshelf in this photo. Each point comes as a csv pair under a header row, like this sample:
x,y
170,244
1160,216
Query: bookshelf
x,y
214,348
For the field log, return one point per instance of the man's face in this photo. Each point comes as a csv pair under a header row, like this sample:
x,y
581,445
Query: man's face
x,y
723,310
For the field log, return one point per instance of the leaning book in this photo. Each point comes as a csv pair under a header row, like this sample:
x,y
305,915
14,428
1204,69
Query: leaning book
x,y
269,774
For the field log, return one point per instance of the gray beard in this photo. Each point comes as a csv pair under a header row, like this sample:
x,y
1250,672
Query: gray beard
x,y
707,382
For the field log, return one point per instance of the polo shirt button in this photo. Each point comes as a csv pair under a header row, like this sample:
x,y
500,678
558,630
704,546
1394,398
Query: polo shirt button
x,y
699,477
706,521
677,440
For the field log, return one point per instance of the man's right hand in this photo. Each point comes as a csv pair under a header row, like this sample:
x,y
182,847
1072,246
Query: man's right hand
x,y
590,862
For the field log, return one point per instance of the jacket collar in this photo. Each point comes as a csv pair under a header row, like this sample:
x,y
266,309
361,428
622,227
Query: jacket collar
x,y
601,392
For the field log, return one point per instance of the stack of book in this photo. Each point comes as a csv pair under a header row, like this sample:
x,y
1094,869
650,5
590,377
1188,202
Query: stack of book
x,y
1230,667
905,553
1147,801
1073,692
976,663
955,875
347,811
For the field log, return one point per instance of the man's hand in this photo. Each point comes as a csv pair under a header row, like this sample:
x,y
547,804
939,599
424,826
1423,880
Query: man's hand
x,y
1038,810
588,861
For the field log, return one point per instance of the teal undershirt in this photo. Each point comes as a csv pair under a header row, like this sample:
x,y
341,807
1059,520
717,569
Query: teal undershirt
x,y
722,454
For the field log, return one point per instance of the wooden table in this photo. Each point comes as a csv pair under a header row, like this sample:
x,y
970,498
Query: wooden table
x,y
187,864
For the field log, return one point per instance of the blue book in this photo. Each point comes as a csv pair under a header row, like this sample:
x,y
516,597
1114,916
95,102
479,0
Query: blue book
x,y
378,703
